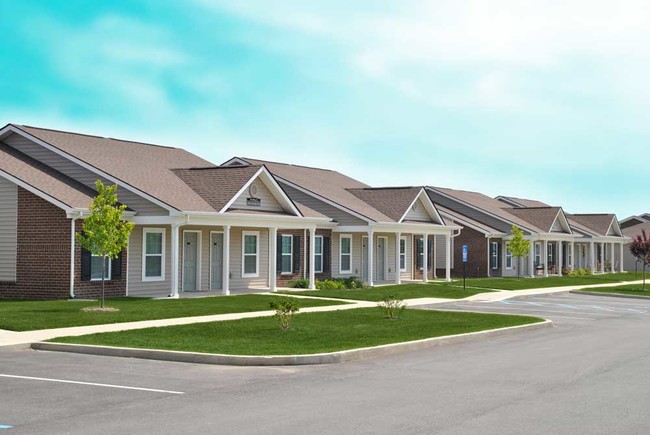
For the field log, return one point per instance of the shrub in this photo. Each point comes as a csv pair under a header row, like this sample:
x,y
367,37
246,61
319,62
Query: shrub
x,y
352,283
299,283
330,284
392,306
284,308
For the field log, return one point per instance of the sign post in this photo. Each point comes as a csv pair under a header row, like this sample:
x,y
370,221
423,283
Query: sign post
x,y
464,264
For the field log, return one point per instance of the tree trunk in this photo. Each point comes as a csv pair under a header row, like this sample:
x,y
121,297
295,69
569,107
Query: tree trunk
x,y
643,285
101,304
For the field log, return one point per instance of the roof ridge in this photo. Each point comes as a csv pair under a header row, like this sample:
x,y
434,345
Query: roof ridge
x,y
203,168
288,164
99,137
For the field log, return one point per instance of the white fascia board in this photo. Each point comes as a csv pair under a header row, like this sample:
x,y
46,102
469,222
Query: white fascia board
x,y
617,227
480,210
237,160
391,227
325,200
428,205
37,192
244,219
13,129
564,222
556,236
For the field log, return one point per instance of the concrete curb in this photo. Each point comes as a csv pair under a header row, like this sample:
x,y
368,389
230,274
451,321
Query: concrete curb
x,y
609,295
284,360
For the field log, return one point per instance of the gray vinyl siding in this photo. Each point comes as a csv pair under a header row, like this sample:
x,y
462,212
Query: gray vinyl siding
x,y
469,212
82,175
420,214
136,286
267,200
338,215
236,279
8,229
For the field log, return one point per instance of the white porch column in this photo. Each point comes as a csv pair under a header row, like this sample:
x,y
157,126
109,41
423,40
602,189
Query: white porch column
x,y
434,262
174,275
273,237
612,260
573,255
425,256
312,258
560,257
602,257
398,272
447,257
488,257
72,249
531,260
621,266
225,279
371,257
592,257
545,257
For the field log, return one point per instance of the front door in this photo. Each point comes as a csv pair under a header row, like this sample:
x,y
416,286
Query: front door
x,y
216,261
364,259
190,261
381,266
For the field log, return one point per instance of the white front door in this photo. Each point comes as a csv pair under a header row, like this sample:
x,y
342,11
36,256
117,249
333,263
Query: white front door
x,y
190,261
364,259
381,257
216,261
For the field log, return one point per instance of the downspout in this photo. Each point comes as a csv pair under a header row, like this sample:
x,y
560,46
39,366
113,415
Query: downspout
x,y
72,249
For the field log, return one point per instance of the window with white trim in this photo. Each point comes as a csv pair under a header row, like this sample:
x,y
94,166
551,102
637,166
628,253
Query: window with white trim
x,y
508,257
153,254
551,254
538,254
318,255
402,254
96,268
345,254
494,255
250,254
286,259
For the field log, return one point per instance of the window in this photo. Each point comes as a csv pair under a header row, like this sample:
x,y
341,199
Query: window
x,y
318,258
402,254
286,265
153,254
345,263
250,254
569,254
551,255
538,254
420,253
494,255
508,257
96,268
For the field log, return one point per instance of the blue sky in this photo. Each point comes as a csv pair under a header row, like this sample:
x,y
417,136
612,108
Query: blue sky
x,y
547,100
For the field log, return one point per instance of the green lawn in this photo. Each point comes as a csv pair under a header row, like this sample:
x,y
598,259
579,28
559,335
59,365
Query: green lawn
x,y
551,281
309,333
20,315
404,291
630,289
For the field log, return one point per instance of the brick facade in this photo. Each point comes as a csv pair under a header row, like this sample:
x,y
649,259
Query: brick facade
x,y
43,255
477,256
283,280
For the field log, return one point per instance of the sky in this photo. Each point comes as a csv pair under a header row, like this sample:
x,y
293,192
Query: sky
x,y
548,100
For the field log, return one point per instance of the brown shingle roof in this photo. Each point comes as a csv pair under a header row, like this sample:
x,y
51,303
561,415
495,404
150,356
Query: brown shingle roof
x,y
391,201
540,217
144,166
525,202
635,230
326,183
459,217
598,223
45,179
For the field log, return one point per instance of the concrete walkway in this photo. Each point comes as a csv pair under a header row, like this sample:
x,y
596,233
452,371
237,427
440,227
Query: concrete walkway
x,y
22,340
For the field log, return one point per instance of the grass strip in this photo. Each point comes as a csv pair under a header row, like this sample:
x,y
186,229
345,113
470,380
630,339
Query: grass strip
x,y
309,333
23,315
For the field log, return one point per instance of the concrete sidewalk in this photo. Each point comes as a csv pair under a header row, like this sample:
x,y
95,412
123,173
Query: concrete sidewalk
x,y
18,340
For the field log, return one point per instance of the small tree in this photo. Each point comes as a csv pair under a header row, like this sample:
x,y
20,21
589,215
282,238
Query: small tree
x,y
105,234
284,308
518,247
640,249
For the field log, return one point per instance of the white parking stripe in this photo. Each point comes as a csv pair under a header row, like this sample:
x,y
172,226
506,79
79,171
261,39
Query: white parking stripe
x,y
123,387
538,310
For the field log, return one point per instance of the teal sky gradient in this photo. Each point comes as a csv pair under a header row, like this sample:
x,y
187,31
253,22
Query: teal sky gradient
x,y
547,100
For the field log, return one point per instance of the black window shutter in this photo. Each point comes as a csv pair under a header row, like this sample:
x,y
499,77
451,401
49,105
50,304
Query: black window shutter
x,y
116,267
429,253
278,256
296,254
326,254
493,262
86,258
419,247
499,255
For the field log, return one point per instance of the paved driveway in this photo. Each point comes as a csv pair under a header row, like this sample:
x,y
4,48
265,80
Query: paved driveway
x,y
588,375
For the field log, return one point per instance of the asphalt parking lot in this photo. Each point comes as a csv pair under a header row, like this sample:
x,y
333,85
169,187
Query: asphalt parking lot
x,y
589,374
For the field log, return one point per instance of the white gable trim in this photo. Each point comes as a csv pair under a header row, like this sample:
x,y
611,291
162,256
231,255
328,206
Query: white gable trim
x,y
11,128
237,160
428,205
37,192
615,226
274,188
564,222
325,200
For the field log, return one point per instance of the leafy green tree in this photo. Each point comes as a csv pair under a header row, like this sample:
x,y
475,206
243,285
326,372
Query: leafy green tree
x,y
105,233
518,247
640,249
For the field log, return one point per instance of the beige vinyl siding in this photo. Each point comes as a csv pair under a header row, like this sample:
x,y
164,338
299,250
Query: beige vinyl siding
x,y
338,215
236,280
439,242
267,200
356,256
82,175
420,214
8,229
136,286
